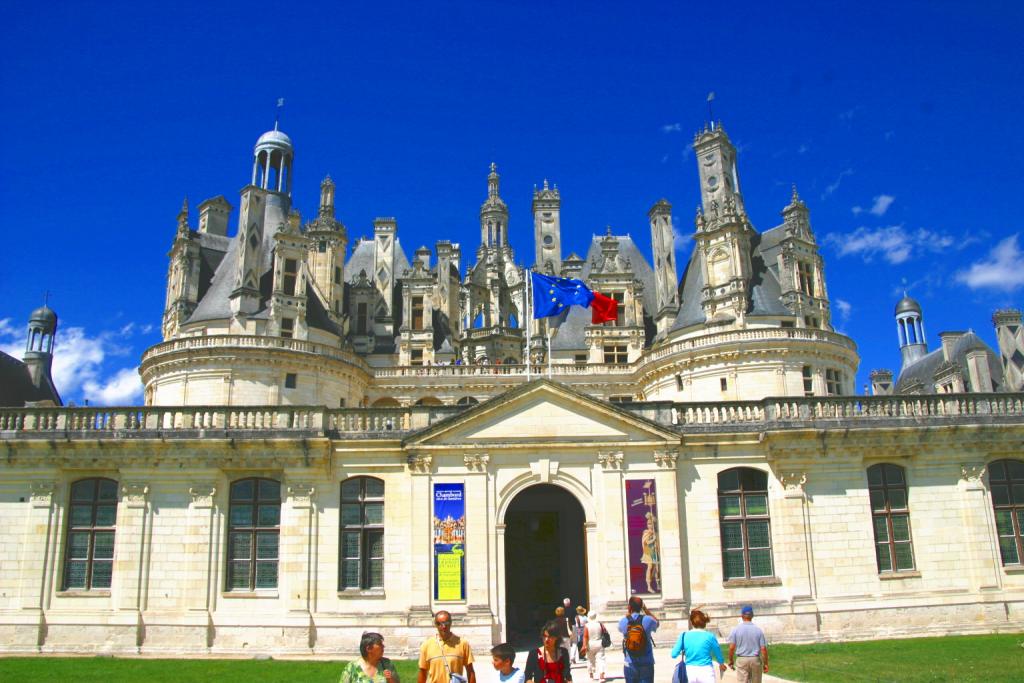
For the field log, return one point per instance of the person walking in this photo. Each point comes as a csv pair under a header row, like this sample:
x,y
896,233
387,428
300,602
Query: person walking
x,y
445,657
579,624
595,636
700,647
637,646
748,649
549,663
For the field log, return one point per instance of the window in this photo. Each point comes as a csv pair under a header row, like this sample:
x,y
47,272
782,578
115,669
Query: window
x,y
615,353
745,525
321,246
805,277
579,358
291,269
620,309
808,377
887,487
416,357
254,528
287,327
833,382
291,380
786,324
362,534
361,318
724,382
1006,479
337,275
467,401
89,555
417,313
620,399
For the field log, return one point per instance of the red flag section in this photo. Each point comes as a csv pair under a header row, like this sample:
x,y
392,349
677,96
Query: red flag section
x,y
603,308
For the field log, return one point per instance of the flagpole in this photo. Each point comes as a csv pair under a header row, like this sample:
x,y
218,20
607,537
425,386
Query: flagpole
x,y
529,318
549,351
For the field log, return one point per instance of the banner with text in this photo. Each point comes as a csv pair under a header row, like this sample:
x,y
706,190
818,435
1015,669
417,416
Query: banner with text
x,y
642,531
449,541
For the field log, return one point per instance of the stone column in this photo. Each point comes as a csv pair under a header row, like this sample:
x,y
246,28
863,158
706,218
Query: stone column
x,y
36,573
670,537
981,542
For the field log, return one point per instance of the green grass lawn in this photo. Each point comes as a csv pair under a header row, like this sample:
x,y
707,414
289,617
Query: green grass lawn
x,y
990,659
110,670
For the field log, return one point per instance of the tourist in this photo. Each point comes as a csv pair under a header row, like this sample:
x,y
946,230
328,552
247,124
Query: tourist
x,y
445,657
372,666
748,649
550,662
503,657
579,624
700,647
563,626
637,645
595,638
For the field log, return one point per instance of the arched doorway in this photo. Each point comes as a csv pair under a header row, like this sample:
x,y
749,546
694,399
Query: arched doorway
x,y
545,559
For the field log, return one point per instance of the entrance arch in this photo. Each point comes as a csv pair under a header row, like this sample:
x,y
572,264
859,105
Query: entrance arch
x,y
545,559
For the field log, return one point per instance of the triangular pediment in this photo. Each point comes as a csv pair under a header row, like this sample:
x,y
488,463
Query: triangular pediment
x,y
546,412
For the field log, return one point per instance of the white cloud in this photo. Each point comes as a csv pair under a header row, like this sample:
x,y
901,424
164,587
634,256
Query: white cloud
x,y
123,388
679,240
857,210
802,149
893,243
1003,269
882,204
7,329
844,309
672,128
835,186
687,151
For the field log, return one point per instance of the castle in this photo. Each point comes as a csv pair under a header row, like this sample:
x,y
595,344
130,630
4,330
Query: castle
x,y
315,404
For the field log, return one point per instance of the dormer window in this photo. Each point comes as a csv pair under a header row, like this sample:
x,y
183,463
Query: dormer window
x,y
291,270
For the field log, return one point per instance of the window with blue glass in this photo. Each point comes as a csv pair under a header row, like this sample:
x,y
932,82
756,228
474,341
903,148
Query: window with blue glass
x,y
254,533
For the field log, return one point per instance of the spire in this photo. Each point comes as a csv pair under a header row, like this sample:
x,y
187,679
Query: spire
x,y
183,217
492,181
327,197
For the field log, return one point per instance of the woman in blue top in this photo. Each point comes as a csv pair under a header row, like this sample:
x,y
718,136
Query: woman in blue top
x,y
700,646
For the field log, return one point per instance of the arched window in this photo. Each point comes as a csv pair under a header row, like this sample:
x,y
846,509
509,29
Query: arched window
x,y
745,524
362,534
1006,479
467,401
254,530
890,516
89,553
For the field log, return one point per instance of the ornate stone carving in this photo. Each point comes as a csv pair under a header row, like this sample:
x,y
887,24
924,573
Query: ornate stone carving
x,y
666,459
420,464
476,462
133,494
301,494
793,481
41,493
202,494
610,460
971,472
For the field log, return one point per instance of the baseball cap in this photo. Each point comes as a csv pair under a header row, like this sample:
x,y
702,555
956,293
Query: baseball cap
x,y
747,609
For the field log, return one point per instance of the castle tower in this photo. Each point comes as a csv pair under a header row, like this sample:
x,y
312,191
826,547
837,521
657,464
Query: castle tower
x,y
666,280
910,329
38,359
182,277
326,256
1010,336
265,208
384,235
801,268
493,215
723,230
547,229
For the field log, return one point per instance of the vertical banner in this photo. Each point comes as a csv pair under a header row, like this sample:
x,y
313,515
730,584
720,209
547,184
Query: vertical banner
x,y
642,531
449,541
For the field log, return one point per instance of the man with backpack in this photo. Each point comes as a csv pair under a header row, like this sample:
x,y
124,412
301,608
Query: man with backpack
x,y
636,629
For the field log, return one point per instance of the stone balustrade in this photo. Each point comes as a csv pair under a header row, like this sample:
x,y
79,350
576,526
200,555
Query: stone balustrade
x,y
767,414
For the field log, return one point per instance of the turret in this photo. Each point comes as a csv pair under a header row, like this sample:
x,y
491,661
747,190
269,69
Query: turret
x,y
910,330
801,268
547,230
493,214
38,359
182,276
325,257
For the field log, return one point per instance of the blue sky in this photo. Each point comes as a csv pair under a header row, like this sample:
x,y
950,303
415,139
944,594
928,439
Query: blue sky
x,y
899,123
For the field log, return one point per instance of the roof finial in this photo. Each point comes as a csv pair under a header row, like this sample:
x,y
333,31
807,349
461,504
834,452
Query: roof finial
x,y
277,114
711,98
796,197
545,183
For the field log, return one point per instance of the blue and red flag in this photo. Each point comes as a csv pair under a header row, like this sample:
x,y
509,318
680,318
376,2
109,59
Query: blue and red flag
x,y
552,295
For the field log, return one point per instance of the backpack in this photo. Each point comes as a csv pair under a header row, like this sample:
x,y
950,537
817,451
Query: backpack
x,y
636,636
606,638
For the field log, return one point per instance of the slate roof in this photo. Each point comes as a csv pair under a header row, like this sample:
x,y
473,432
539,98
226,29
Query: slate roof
x,y
16,387
923,370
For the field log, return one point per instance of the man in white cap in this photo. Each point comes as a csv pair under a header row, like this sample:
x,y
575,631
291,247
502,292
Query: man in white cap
x,y
748,650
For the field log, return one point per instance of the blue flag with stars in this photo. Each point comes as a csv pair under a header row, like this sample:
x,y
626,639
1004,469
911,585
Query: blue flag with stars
x,y
552,295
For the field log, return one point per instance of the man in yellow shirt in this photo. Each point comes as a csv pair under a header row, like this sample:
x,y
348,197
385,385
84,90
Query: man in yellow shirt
x,y
445,657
